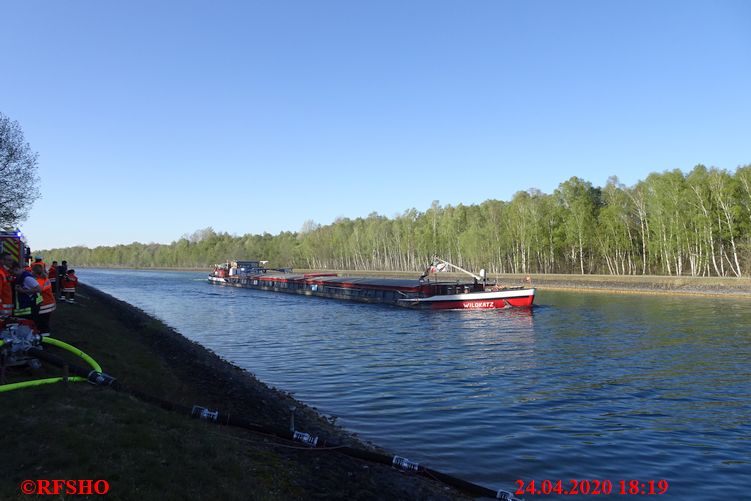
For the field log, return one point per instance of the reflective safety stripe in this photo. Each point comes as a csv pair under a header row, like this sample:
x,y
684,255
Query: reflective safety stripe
x,y
48,295
22,311
47,308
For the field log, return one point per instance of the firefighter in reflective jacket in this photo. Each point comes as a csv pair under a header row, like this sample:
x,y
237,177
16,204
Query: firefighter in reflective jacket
x,y
48,299
28,295
39,261
70,280
6,285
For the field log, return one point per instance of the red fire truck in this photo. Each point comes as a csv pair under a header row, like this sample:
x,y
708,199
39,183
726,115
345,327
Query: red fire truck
x,y
14,243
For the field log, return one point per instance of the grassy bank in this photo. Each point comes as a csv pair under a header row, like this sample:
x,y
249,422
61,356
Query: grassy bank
x,y
78,431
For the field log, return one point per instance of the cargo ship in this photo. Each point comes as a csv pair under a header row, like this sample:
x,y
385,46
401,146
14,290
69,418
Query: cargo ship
x,y
421,293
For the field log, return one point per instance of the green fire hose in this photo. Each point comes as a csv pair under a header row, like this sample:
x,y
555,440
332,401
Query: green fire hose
x,y
37,382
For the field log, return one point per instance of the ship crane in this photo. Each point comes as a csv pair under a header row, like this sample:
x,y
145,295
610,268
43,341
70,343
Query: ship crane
x,y
482,277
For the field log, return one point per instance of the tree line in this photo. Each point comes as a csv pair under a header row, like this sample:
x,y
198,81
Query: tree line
x,y
670,223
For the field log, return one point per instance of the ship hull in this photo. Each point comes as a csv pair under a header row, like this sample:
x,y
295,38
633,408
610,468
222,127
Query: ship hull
x,y
508,298
404,293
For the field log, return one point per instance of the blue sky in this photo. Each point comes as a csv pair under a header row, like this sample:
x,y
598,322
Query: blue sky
x,y
155,119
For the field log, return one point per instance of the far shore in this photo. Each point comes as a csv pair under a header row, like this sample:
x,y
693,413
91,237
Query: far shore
x,y
625,284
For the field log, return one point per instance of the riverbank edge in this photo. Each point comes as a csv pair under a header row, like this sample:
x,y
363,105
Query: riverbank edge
x,y
194,374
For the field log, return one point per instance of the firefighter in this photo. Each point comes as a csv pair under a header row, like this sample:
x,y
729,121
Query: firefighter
x,y
69,286
38,260
52,275
6,285
48,299
62,270
28,293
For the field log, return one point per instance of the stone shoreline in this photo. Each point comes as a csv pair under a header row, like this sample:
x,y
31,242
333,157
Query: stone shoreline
x,y
713,286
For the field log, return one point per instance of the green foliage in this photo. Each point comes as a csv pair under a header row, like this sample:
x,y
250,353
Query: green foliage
x,y
671,223
18,174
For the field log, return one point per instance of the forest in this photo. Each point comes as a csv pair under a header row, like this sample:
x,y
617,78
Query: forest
x,y
671,223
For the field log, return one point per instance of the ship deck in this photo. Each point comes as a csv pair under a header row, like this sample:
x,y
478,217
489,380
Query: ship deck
x,y
325,279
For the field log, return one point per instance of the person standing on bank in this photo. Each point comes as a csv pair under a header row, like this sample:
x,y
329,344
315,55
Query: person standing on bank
x,y
6,285
28,294
48,299
62,270
40,261
69,285
52,275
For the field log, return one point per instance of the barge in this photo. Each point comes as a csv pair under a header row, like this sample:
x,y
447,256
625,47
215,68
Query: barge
x,y
421,293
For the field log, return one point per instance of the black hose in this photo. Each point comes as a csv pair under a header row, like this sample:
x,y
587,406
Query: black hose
x,y
373,457
98,378
227,419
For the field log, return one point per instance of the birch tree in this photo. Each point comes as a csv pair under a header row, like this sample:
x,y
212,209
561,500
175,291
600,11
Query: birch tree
x,y
18,174
579,200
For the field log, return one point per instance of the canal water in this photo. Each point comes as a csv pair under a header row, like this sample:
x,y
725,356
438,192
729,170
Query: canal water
x,y
584,386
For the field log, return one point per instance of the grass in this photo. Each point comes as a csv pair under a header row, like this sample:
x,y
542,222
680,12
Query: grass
x,y
94,433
